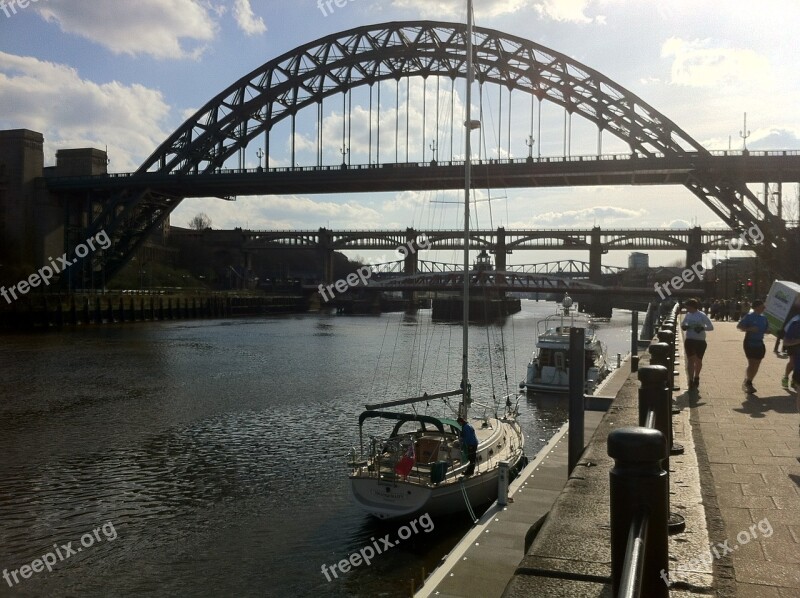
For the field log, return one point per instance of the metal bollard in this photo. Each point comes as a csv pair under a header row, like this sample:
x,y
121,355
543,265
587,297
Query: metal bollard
x,y
639,485
653,397
577,386
659,354
502,484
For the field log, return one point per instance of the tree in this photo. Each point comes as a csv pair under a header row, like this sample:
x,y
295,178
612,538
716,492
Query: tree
x,y
200,222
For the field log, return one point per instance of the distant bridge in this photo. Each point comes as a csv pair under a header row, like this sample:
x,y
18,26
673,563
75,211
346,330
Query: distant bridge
x,y
501,242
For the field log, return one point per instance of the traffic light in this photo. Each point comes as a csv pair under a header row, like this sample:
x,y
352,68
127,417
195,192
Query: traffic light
x,y
749,284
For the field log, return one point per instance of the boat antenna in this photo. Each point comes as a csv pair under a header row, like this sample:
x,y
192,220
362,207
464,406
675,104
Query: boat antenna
x,y
465,386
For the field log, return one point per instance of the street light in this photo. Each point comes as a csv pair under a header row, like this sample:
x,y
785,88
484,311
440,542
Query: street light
x,y
260,154
529,142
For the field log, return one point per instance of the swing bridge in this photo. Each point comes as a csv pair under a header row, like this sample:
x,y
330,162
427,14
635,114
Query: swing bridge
x,y
379,108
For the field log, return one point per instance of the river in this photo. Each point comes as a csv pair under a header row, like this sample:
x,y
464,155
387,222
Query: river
x,y
207,458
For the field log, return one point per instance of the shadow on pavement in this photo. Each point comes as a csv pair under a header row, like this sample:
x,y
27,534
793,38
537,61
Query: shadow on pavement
x,y
759,406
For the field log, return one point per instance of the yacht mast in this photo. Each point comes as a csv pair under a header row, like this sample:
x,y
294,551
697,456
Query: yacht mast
x,y
467,181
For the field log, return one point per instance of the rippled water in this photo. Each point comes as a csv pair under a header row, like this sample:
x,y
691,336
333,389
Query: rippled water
x,y
216,449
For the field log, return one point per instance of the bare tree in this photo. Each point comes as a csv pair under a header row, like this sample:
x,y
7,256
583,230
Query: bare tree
x,y
200,222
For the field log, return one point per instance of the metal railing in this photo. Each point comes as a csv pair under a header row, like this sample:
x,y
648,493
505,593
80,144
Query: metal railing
x,y
639,481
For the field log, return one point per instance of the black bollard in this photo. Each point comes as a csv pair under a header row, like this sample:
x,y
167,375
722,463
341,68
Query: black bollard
x,y
634,341
639,486
653,397
577,387
659,354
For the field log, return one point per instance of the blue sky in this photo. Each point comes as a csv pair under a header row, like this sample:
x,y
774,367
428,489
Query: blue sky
x,y
125,74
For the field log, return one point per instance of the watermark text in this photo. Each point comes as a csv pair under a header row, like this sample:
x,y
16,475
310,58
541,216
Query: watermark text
x,y
9,7
756,237
365,272
379,546
46,273
326,6
59,553
718,550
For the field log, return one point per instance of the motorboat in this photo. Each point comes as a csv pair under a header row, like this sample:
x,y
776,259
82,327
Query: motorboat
x,y
548,369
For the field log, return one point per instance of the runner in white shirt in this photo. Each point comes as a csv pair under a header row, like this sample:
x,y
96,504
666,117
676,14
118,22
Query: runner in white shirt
x,y
695,324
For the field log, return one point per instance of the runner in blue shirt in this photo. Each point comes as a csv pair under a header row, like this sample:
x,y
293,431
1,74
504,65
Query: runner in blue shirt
x,y
754,325
470,440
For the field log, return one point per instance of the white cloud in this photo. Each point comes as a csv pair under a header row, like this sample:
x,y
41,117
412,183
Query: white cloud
x,y
585,217
573,11
73,112
456,9
246,19
279,212
174,29
698,63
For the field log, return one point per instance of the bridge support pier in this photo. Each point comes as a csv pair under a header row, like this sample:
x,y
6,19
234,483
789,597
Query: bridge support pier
x,y
500,253
596,257
326,249
410,262
694,252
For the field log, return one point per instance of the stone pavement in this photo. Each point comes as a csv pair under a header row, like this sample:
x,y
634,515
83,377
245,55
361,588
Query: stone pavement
x,y
748,448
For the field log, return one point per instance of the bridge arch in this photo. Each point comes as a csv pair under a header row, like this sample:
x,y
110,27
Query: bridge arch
x,y
370,54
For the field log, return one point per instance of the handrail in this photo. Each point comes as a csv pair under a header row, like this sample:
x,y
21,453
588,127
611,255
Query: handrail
x,y
630,585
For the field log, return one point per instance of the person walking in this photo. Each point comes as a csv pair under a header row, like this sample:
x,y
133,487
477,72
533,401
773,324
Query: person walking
x,y
754,325
695,324
791,343
470,441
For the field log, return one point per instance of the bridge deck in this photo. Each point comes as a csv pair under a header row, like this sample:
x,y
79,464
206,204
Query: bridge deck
x,y
542,172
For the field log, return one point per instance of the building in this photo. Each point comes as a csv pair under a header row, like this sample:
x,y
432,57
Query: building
x,y
36,226
638,261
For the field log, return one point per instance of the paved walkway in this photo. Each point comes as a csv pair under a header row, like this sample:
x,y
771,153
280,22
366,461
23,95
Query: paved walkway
x,y
751,446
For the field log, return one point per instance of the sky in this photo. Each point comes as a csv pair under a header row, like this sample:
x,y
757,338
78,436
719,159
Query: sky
x,y
124,75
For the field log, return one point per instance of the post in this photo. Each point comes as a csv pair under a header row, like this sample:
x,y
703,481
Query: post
x,y
577,385
653,397
502,484
639,487
634,341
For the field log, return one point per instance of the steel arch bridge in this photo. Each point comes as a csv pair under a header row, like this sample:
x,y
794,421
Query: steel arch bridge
x,y
364,56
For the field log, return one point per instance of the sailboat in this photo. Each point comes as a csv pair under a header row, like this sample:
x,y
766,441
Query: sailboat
x,y
421,466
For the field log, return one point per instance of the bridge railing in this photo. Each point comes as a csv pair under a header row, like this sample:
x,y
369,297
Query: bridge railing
x,y
444,163
639,481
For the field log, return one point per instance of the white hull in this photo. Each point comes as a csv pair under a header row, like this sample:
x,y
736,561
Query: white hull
x,y
548,370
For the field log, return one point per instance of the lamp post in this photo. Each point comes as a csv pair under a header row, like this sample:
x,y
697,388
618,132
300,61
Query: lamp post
x,y
744,134
344,151
434,147
260,154
529,142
